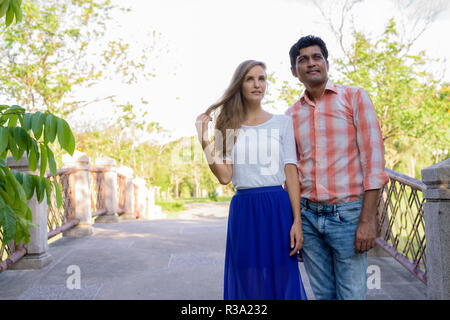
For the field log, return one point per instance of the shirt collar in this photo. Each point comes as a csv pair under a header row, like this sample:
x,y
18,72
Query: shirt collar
x,y
330,86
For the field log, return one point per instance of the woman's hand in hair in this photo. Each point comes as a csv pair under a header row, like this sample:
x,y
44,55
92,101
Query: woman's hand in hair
x,y
201,125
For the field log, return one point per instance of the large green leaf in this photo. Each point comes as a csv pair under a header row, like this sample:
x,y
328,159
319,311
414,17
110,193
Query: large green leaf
x,y
59,200
4,7
40,188
28,185
17,11
12,144
3,139
27,121
9,16
43,160
51,127
10,184
37,124
65,136
22,227
12,123
17,109
33,155
18,175
48,191
21,136
8,223
51,161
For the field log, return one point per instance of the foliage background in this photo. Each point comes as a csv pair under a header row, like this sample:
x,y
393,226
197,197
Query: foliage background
x,y
60,47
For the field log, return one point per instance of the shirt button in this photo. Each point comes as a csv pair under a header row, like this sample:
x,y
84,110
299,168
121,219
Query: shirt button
x,y
320,207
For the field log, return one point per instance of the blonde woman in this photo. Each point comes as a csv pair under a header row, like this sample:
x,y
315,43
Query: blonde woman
x,y
255,150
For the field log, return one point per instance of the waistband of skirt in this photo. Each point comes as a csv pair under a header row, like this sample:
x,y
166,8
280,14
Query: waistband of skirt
x,y
259,190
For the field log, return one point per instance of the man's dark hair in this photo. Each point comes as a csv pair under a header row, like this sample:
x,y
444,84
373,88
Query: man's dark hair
x,y
305,42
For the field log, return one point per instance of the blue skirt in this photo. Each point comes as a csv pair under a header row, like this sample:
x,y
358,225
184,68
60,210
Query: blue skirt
x,y
257,261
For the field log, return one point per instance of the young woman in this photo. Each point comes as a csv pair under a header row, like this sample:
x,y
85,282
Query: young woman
x,y
256,151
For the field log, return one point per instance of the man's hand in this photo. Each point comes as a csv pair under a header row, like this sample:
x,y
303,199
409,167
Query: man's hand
x,y
366,231
365,236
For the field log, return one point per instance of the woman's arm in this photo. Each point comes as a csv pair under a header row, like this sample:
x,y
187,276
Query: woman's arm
x,y
293,189
220,168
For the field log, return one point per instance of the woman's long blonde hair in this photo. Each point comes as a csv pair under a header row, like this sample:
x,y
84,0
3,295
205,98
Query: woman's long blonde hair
x,y
231,108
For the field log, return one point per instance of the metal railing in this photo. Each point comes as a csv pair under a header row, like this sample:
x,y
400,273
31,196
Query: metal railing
x,y
10,253
97,191
401,223
61,219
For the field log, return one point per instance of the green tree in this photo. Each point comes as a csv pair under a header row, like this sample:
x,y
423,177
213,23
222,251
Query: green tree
x,y
412,106
32,133
60,46
405,95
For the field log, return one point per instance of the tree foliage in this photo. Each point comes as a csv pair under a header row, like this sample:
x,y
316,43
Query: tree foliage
x,y
411,104
61,46
31,133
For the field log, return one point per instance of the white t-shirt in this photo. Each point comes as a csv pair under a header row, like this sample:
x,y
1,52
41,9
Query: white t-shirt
x,y
261,153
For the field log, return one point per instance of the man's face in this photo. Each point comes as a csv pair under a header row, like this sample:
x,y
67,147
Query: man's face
x,y
311,68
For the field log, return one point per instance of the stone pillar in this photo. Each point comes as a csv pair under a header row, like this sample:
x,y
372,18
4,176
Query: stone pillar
x,y
141,201
129,194
37,249
82,194
154,211
437,229
111,201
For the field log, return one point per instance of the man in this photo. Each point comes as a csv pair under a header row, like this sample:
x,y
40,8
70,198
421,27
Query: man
x,y
341,169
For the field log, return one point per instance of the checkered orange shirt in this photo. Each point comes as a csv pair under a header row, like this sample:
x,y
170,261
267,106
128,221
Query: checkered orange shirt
x,y
339,145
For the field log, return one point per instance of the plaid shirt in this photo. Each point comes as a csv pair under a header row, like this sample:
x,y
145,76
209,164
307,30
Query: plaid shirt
x,y
339,145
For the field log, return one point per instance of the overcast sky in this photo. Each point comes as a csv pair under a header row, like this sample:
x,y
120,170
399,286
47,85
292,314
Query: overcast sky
x,y
203,41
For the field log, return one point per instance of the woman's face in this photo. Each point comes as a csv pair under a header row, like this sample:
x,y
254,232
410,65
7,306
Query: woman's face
x,y
254,85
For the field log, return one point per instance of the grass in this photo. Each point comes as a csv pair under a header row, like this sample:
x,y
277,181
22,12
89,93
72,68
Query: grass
x,y
172,207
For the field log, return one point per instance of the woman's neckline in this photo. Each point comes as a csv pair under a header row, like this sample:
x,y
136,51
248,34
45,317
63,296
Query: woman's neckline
x,y
257,125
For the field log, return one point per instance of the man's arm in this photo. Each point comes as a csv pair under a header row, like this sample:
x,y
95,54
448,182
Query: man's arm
x,y
370,144
366,230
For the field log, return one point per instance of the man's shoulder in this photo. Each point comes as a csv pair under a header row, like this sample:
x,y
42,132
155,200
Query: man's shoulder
x,y
346,89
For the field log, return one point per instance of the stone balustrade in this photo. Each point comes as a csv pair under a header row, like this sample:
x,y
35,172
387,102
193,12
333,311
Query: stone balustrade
x,y
139,203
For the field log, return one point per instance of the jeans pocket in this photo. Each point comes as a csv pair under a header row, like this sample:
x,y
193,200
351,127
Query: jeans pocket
x,y
349,216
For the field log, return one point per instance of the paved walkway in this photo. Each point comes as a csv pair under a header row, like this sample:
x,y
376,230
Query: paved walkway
x,y
160,259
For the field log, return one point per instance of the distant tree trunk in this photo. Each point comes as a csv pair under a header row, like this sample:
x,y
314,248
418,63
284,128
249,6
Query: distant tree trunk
x,y
196,183
177,181
413,166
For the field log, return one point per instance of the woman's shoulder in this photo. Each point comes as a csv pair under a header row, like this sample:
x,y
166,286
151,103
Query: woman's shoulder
x,y
282,119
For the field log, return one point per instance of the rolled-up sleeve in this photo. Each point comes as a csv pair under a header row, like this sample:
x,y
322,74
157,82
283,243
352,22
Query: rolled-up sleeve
x,y
370,141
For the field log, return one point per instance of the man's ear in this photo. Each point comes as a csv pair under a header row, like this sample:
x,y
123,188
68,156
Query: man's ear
x,y
328,66
294,72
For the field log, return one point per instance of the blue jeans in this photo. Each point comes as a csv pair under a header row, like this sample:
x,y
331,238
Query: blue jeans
x,y
334,269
